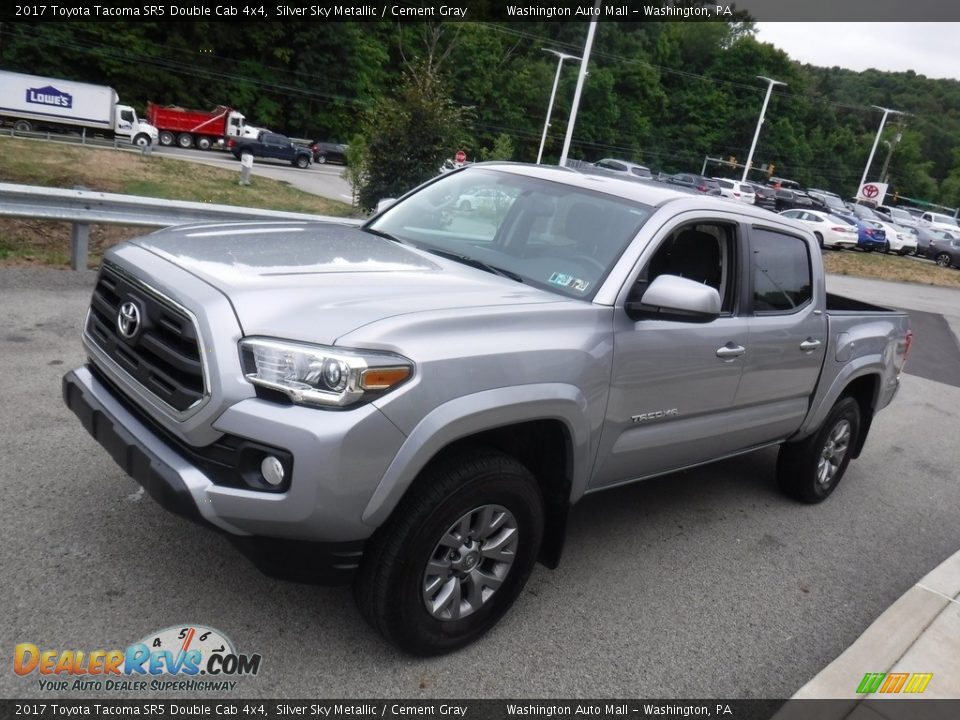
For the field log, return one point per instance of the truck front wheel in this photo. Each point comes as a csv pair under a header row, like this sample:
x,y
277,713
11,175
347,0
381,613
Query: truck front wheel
x,y
454,555
811,469
302,161
142,140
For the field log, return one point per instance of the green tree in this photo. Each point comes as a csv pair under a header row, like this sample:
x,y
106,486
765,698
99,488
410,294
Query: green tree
x,y
407,137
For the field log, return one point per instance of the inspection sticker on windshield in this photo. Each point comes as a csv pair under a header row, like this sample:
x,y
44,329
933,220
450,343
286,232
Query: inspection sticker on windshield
x,y
564,280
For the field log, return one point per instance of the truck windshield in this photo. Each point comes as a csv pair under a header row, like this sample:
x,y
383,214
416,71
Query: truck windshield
x,y
551,235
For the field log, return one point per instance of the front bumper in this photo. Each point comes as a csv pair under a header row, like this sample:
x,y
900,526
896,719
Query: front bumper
x,y
179,487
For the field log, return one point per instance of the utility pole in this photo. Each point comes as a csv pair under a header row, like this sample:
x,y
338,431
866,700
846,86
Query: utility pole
x,y
897,138
553,95
580,78
876,141
756,134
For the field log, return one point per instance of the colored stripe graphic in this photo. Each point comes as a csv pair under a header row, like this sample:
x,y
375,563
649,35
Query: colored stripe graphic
x,y
918,682
893,683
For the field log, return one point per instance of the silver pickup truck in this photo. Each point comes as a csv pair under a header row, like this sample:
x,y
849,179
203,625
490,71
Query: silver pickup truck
x,y
415,404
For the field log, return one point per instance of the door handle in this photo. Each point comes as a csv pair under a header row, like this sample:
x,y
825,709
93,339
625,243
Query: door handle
x,y
729,352
809,345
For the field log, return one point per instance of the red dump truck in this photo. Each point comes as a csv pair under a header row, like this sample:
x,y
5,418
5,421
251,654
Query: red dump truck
x,y
200,128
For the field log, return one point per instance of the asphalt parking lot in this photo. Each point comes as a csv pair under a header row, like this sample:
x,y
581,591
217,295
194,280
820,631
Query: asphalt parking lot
x,y
707,583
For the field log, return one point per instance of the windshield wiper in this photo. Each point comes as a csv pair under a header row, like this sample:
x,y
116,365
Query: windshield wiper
x,y
473,262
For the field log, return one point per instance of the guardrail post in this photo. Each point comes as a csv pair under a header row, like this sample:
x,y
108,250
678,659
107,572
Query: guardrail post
x,y
79,244
83,136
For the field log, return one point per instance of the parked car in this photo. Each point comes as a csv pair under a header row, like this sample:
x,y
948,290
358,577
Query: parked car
x,y
931,236
939,221
870,233
764,196
830,231
831,202
944,251
897,216
695,182
271,146
734,190
624,167
899,240
783,183
328,152
789,199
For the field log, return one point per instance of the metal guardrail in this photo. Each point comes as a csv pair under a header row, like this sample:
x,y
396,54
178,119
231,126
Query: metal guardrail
x,y
84,208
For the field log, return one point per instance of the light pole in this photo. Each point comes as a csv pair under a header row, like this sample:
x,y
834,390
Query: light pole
x,y
584,61
763,112
876,141
553,94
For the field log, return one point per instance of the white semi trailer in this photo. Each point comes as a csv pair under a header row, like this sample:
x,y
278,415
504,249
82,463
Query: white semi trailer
x,y
33,102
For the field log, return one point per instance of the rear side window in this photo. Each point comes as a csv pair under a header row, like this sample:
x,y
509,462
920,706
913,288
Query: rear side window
x,y
782,278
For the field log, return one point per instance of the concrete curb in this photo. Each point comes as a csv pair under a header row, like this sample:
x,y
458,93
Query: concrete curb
x,y
919,633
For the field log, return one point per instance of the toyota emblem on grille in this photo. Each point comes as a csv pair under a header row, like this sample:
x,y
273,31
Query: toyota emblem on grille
x,y
128,319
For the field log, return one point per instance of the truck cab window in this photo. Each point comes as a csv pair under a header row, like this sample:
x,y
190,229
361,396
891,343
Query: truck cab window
x,y
782,278
704,252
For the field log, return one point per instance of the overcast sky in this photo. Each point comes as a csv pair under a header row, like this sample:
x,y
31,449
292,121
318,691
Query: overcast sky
x,y
931,49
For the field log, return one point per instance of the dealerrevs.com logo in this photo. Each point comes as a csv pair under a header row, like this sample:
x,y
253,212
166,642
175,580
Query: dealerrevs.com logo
x,y
181,657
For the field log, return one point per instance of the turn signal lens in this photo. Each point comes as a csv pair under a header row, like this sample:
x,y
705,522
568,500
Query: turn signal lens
x,y
383,378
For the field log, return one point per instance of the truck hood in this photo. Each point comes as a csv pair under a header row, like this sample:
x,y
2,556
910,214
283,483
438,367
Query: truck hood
x,y
316,282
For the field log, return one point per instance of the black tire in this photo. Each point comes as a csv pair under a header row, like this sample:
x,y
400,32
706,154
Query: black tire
x,y
943,260
302,161
320,159
203,143
185,140
393,578
166,138
22,126
886,247
903,251
819,240
799,469
142,140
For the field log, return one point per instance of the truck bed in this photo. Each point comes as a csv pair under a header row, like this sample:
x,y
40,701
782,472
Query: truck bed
x,y
839,305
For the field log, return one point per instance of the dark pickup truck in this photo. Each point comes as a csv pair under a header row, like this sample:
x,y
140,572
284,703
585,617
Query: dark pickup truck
x,y
274,147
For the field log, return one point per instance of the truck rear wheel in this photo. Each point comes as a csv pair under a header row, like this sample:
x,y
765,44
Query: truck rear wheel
x,y
811,469
455,554
166,138
22,126
185,140
204,143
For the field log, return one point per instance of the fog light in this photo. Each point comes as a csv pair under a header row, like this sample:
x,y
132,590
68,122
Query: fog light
x,y
272,470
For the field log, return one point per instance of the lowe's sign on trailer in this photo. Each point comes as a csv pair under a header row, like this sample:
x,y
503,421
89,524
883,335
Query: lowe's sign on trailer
x,y
49,95
53,100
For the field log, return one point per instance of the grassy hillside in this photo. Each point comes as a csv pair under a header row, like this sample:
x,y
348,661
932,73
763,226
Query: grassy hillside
x,y
47,164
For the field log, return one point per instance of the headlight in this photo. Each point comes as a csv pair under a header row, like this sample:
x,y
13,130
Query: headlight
x,y
319,375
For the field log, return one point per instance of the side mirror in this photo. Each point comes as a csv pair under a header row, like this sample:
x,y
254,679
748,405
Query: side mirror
x,y
384,204
670,297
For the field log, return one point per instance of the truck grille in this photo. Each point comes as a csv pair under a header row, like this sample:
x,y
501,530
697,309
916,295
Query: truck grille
x,y
148,337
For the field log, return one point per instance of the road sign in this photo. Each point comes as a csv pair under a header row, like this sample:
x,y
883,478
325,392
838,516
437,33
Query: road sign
x,y
460,157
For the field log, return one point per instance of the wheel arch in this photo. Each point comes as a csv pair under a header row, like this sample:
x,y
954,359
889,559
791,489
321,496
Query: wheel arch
x,y
549,434
866,391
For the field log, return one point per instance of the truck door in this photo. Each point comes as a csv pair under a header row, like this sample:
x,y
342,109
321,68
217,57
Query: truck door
x,y
125,120
787,334
673,383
